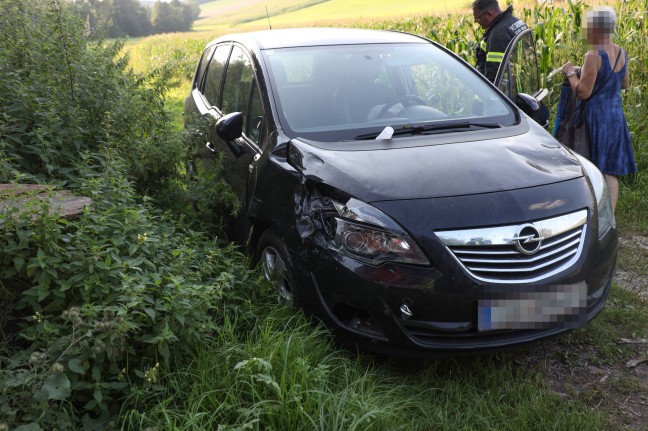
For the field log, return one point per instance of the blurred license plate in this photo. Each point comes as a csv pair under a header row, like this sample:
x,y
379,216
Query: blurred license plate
x,y
560,306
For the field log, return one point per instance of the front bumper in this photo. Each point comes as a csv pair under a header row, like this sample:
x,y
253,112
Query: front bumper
x,y
407,310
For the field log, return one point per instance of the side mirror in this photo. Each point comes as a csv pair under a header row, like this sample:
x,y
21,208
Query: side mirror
x,y
229,128
534,109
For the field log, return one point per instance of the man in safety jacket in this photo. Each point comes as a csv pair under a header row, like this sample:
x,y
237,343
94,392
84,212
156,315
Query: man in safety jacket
x,y
501,28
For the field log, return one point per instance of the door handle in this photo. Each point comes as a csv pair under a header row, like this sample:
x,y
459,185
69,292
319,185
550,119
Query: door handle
x,y
256,157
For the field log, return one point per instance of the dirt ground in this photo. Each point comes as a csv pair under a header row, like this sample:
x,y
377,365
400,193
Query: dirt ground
x,y
621,389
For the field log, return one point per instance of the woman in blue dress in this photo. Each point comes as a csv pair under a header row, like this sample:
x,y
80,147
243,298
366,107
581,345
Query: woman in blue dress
x,y
603,75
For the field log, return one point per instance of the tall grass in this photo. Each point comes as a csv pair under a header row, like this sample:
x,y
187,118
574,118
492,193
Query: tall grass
x,y
282,373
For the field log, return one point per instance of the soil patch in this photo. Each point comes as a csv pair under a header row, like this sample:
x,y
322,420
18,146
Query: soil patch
x,y
576,370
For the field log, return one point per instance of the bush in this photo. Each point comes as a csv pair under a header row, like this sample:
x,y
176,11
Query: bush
x,y
97,307
106,301
61,97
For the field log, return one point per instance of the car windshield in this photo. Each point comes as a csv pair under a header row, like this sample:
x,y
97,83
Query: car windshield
x,y
337,93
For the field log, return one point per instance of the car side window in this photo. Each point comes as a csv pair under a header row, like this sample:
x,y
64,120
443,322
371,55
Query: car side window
x,y
520,72
214,75
204,60
238,79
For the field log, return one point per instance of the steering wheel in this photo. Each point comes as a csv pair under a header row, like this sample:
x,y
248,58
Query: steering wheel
x,y
406,100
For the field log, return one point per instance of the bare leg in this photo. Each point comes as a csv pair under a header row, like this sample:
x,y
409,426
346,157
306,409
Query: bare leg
x,y
613,186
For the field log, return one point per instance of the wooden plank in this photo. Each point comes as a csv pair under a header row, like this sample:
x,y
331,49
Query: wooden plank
x,y
60,202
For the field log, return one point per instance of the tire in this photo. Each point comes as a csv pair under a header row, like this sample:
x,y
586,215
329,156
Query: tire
x,y
275,263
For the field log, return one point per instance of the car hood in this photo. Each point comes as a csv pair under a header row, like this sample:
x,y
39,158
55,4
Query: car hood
x,y
434,166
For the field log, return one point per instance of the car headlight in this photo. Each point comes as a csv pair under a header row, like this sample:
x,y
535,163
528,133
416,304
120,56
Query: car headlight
x,y
601,193
368,234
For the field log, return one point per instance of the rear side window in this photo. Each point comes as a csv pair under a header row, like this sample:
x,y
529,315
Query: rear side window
x,y
238,80
203,65
214,75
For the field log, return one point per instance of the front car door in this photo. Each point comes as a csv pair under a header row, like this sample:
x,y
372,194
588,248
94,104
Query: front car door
x,y
519,72
230,85
241,94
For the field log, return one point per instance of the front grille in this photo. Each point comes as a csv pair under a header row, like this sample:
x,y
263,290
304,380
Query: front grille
x,y
501,254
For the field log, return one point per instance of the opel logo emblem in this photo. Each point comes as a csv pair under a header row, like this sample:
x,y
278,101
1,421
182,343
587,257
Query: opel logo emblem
x,y
527,239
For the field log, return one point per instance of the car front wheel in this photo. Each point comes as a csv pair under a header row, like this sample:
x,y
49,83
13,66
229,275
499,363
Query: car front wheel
x,y
274,259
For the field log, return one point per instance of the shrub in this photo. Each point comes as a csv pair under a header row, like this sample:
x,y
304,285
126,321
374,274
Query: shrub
x,y
61,96
106,301
99,306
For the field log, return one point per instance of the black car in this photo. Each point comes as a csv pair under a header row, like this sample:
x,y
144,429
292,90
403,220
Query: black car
x,y
400,197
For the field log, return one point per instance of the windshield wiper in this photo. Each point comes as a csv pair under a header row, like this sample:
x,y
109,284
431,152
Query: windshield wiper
x,y
422,129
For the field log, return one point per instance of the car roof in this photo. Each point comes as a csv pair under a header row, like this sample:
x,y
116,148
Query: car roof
x,y
314,36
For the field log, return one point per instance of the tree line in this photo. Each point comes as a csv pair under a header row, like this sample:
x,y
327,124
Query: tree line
x,y
120,18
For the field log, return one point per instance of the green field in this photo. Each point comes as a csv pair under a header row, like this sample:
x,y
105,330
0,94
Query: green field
x,y
253,14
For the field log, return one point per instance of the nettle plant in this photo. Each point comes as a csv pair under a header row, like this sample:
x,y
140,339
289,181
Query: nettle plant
x,y
106,303
62,95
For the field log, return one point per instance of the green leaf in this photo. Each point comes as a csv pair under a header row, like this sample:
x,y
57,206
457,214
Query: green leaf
x,y
16,379
136,262
269,381
164,351
41,395
97,395
44,279
75,366
181,319
96,372
57,387
90,405
42,290
19,262
151,313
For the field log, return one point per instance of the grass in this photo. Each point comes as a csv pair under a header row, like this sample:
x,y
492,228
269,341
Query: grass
x,y
232,13
282,373
279,372
337,11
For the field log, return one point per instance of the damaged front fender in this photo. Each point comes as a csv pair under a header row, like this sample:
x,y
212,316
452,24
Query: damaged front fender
x,y
352,227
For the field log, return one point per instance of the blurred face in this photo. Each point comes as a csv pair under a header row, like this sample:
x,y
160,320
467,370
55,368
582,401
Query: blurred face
x,y
594,29
592,36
